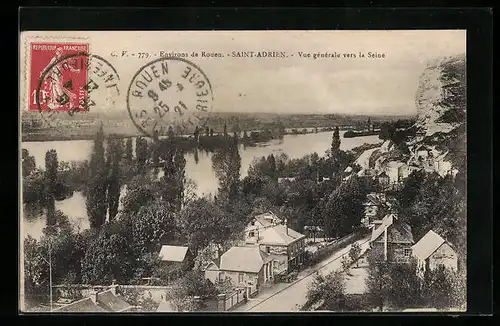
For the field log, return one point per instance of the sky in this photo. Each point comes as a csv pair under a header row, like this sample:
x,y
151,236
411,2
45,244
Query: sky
x,y
283,85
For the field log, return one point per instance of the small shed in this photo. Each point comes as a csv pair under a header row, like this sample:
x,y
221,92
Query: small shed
x,y
175,260
432,251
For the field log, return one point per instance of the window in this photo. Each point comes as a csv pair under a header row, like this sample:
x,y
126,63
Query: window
x,y
240,277
251,234
268,249
407,252
253,223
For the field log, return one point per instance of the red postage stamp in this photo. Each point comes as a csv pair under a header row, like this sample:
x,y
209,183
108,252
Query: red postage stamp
x,y
58,76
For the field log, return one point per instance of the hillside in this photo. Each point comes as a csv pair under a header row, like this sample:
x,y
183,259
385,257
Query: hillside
x,y
441,122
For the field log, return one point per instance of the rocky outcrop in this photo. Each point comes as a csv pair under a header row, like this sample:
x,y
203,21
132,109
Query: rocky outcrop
x,y
440,97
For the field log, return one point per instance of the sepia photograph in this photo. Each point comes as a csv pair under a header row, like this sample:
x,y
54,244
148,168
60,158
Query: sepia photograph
x,y
243,171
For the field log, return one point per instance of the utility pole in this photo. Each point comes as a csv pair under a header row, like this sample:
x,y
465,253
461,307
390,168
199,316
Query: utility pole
x,y
50,273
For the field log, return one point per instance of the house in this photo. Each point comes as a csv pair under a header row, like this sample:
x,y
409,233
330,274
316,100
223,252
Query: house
x,y
175,260
383,179
442,166
107,301
422,152
286,246
212,271
392,240
432,251
396,171
281,180
258,224
373,205
246,266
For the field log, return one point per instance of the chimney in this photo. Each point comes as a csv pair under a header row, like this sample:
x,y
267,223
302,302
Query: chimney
x,y
113,287
286,226
93,296
385,244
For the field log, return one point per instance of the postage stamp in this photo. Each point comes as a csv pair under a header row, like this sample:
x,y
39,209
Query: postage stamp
x,y
169,94
72,83
58,76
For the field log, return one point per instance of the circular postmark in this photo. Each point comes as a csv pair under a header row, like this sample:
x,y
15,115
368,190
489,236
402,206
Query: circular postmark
x,y
169,95
74,85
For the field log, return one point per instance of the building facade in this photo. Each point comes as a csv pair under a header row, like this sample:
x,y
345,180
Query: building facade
x,y
392,240
433,251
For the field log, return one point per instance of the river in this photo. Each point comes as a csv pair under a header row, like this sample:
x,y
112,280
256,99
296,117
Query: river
x,y
200,172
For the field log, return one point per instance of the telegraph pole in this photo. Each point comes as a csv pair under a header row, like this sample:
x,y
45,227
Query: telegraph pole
x,y
50,273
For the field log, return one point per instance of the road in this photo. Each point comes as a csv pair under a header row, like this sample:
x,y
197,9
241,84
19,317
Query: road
x,y
285,297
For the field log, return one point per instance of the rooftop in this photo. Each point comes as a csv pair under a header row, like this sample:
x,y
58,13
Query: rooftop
x,y
426,246
398,232
280,235
106,302
243,259
173,253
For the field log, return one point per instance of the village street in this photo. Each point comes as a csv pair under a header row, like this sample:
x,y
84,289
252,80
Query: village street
x,y
286,297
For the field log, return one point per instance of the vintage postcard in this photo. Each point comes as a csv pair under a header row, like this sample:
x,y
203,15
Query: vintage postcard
x,y
243,171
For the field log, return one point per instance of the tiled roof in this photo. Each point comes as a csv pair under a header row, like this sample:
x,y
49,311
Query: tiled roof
x,y
83,305
173,253
106,302
266,219
112,302
395,164
373,198
243,259
397,231
279,235
429,243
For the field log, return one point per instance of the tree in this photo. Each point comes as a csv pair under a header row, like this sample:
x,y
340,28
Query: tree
x,y
110,256
226,163
128,151
330,290
354,253
141,153
378,281
152,226
141,190
155,148
97,184
51,167
344,208
28,163
405,286
185,289
203,223
114,176
346,264
225,130
173,180
335,141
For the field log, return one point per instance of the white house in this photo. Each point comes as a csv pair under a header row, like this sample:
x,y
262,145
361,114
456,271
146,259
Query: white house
x,y
432,251
286,246
397,171
260,223
246,266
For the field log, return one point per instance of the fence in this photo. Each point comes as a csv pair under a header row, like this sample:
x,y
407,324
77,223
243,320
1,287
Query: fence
x,y
156,293
228,301
322,253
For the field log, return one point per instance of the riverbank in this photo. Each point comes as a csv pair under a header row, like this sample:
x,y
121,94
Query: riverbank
x,y
352,133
